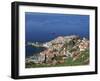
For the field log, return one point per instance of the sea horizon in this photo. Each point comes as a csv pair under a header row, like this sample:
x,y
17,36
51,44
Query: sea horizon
x,y
44,27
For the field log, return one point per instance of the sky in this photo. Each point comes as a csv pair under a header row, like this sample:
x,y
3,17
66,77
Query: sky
x,y
43,27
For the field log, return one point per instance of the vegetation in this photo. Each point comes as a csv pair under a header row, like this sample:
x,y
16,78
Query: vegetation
x,y
82,60
62,51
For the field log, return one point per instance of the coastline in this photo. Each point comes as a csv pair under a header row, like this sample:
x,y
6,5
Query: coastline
x,y
58,50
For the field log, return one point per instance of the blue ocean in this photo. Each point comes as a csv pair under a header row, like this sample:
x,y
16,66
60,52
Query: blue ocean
x,y
43,27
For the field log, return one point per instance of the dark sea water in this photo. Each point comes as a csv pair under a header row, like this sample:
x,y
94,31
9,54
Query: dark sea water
x,y
43,27
33,50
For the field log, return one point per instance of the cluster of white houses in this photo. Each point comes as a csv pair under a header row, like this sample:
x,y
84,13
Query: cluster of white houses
x,y
56,48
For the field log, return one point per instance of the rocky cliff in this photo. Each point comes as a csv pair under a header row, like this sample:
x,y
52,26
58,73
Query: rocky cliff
x,y
64,49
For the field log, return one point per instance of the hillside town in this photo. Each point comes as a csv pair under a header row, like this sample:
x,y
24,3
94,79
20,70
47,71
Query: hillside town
x,y
63,50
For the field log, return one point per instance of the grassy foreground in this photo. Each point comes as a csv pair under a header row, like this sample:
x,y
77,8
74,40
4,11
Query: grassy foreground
x,y
83,59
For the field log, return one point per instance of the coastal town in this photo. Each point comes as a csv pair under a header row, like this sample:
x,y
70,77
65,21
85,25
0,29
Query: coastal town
x,y
61,51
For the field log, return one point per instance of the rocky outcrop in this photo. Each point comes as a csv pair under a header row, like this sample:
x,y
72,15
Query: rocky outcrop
x,y
61,48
